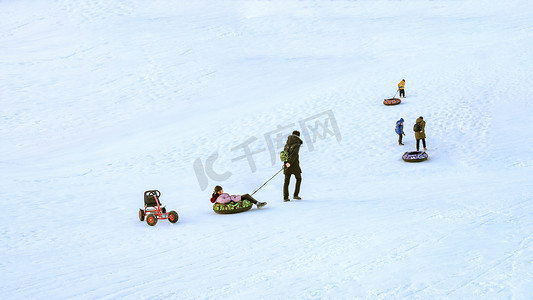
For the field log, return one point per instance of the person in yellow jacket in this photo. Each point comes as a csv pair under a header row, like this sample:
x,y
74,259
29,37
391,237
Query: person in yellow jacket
x,y
401,87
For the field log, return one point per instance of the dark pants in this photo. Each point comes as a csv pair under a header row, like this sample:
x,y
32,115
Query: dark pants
x,y
402,93
418,143
296,187
249,198
400,138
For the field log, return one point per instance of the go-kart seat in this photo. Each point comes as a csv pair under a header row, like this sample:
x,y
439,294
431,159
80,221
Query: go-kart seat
x,y
149,199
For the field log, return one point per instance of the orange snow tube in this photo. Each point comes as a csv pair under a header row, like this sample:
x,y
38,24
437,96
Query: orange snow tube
x,y
392,101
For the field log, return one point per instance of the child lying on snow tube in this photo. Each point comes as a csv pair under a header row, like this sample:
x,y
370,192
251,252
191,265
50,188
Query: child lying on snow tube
x,y
225,203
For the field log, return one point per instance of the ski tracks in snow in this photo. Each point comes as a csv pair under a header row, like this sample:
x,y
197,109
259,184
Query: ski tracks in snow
x,y
96,11
370,225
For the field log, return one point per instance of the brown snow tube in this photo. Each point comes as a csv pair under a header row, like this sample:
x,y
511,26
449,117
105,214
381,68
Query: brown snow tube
x,y
392,101
415,156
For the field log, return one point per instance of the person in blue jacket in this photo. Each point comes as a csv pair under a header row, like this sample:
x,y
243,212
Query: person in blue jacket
x,y
399,131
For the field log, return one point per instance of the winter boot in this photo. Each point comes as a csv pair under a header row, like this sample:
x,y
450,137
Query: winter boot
x,y
297,198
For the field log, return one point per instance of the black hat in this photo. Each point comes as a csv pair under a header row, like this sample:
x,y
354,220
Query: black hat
x,y
296,132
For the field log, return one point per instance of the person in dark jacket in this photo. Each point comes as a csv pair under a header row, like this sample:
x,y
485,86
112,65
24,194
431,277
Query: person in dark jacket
x,y
292,166
399,131
421,133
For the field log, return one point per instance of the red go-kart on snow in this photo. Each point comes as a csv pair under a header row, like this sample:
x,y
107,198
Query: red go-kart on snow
x,y
153,210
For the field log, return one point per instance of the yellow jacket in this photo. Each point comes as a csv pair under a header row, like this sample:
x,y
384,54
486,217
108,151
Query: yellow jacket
x,y
401,84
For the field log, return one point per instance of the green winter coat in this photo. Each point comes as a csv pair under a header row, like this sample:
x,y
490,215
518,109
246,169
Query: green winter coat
x,y
421,134
293,146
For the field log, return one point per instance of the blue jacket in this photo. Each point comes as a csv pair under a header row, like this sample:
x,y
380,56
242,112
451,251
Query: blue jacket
x,y
399,126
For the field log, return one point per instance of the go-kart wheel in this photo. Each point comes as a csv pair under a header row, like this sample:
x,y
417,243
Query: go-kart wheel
x,y
141,215
173,216
151,219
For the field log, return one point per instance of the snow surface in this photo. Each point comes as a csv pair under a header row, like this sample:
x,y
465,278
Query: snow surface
x,y
102,100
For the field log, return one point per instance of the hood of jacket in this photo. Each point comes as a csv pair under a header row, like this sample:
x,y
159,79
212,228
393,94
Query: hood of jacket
x,y
294,139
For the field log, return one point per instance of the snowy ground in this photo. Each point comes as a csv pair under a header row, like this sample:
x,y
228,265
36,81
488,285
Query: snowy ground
x,y
102,100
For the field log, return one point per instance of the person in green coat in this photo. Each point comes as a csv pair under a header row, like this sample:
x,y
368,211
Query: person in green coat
x,y
420,132
292,167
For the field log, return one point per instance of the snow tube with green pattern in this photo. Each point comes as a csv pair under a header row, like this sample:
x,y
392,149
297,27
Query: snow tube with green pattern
x,y
232,207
